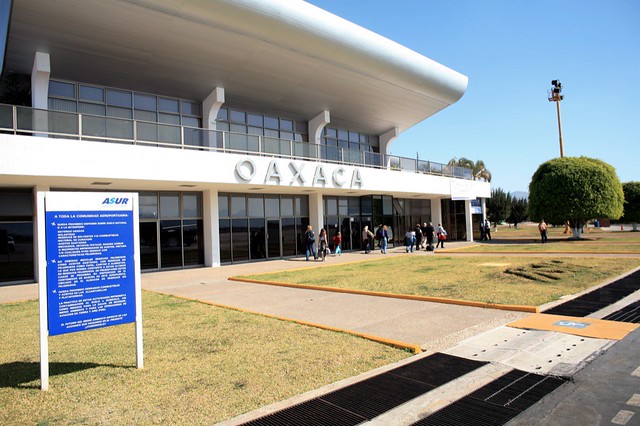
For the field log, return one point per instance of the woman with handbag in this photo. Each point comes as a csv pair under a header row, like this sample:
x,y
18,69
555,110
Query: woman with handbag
x,y
442,236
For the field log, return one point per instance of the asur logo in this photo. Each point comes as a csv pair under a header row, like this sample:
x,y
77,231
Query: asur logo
x,y
115,201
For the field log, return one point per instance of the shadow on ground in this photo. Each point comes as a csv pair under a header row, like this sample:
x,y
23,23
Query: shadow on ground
x,y
23,374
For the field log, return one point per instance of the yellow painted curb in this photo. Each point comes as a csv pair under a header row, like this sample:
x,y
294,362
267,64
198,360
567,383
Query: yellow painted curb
x,y
518,308
416,349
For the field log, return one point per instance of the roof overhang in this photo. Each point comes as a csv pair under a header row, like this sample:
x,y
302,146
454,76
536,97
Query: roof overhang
x,y
281,56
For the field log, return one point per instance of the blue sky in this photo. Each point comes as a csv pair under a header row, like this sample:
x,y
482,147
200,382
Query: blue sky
x,y
511,50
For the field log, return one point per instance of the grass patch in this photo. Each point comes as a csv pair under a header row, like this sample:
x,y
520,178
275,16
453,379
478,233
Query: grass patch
x,y
467,278
203,364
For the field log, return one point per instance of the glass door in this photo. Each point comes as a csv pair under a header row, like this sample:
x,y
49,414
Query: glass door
x,y
148,245
273,238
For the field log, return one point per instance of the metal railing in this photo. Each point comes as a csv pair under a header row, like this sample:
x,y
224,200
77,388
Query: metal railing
x,y
21,120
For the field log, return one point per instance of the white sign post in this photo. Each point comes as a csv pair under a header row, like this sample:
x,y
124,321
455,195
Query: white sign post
x,y
89,266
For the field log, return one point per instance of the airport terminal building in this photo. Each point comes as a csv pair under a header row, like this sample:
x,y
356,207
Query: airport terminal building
x,y
238,123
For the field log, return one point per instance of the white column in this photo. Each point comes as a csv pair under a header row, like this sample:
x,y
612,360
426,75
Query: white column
x,y
211,225
40,91
316,212
36,239
436,211
386,139
469,219
316,125
210,107
483,207
40,81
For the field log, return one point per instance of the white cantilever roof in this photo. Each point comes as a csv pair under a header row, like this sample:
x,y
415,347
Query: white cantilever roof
x,y
282,56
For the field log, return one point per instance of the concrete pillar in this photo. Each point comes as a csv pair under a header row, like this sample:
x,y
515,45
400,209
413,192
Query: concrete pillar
x,y
386,139
316,125
483,207
210,107
40,92
469,219
436,211
316,212
39,189
211,225
40,81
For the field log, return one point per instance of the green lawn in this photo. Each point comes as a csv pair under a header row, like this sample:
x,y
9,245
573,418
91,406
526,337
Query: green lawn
x,y
203,364
502,280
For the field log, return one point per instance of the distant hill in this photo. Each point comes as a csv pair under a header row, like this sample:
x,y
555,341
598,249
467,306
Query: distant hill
x,y
520,194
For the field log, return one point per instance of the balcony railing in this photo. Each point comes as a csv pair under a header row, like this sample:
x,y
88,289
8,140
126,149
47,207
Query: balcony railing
x,y
21,120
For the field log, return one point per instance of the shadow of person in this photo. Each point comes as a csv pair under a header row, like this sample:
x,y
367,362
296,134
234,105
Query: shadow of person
x,y
21,374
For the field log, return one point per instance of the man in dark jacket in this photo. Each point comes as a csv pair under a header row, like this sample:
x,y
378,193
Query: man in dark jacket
x,y
428,234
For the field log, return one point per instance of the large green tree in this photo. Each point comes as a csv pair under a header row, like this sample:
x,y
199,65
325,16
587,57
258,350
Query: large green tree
x,y
575,189
498,206
519,211
631,203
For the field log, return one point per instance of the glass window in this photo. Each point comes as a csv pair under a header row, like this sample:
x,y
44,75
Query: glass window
x,y
223,205
286,206
272,206
92,109
302,127
90,93
271,122
343,206
169,118
332,206
331,133
255,120
119,98
225,240
354,137
302,206
16,204
190,108
60,88
148,212
238,128
354,206
238,116
223,114
62,105
286,125
118,112
168,105
363,139
191,205
238,205
271,133
387,205
286,136
256,205
258,131
145,102
191,121
169,205
343,134
193,242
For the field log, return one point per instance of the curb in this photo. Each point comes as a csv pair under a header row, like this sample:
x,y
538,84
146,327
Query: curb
x,y
416,349
517,308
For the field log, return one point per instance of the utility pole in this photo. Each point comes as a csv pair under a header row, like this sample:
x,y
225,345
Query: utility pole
x,y
555,96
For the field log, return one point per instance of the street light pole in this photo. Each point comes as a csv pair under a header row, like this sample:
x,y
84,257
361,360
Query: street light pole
x,y
555,96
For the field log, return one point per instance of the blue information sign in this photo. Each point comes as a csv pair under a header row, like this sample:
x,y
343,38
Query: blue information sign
x,y
90,268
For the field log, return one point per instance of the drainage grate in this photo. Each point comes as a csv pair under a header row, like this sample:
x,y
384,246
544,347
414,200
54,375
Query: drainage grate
x,y
598,299
497,402
630,313
369,398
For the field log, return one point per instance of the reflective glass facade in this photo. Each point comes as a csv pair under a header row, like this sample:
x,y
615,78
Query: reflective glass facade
x,y
258,227
16,236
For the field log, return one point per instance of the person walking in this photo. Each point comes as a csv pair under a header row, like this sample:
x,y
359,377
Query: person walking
x,y
442,236
337,242
310,243
418,233
487,229
367,237
384,239
323,244
428,234
483,235
410,239
542,227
